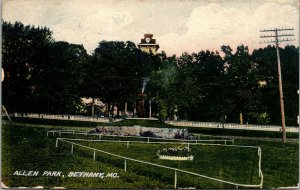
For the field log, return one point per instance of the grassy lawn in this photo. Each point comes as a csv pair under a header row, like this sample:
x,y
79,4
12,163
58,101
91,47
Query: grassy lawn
x,y
28,148
61,124
213,161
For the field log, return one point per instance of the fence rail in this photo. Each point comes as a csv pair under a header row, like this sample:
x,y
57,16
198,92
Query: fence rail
x,y
69,141
232,126
100,135
66,117
174,123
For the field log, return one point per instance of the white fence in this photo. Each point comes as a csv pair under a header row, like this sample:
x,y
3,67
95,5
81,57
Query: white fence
x,y
69,141
232,126
175,123
65,117
149,140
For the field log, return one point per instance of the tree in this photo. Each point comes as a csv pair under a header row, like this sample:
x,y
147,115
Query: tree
x,y
199,78
267,67
242,81
116,72
162,86
64,78
25,53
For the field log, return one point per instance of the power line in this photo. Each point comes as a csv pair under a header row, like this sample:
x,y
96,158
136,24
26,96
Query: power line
x,y
278,37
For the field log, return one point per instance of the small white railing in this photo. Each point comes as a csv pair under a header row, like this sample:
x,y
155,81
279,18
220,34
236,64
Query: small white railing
x,y
67,117
175,123
69,141
148,139
232,126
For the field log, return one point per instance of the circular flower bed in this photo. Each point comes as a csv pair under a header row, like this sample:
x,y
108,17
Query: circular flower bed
x,y
175,154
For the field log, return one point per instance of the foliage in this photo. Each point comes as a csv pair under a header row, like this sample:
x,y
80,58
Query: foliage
x,y
242,78
25,51
45,76
200,86
267,67
63,90
40,75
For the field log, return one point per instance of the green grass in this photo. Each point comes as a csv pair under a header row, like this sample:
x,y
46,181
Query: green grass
x,y
243,133
28,148
280,162
213,161
150,123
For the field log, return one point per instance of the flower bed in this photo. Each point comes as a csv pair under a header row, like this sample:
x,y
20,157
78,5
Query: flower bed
x,y
175,154
178,158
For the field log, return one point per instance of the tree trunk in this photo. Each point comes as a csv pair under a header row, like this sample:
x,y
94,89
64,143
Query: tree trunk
x,y
125,108
112,108
118,109
108,109
93,107
241,118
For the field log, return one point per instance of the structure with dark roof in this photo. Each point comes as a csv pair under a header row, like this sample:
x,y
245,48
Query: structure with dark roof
x,y
148,44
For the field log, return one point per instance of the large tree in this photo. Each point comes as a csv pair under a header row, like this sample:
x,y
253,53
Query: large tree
x,y
162,89
116,71
63,78
25,51
200,86
242,79
267,67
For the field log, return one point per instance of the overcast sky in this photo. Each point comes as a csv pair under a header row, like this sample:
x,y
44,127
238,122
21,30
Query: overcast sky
x,y
178,25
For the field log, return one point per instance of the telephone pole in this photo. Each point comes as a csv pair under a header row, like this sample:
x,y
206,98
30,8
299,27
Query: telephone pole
x,y
278,35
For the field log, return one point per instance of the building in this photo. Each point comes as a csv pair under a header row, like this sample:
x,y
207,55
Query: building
x,y
148,44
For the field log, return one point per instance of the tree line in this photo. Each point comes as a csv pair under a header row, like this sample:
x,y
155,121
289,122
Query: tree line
x,y
47,76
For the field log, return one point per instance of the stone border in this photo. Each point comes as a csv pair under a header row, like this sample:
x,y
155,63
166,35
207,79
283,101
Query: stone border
x,y
179,158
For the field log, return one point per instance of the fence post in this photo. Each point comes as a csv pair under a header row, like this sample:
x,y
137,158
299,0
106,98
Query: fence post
x,y
259,162
56,144
188,147
127,144
225,142
175,180
100,137
53,134
47,133
72,149
148,139
94,157
59,134
125,166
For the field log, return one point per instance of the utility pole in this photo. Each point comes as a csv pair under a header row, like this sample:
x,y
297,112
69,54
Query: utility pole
x,y
280,36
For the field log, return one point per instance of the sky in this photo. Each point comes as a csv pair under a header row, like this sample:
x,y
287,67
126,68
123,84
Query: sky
x,y
177,25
